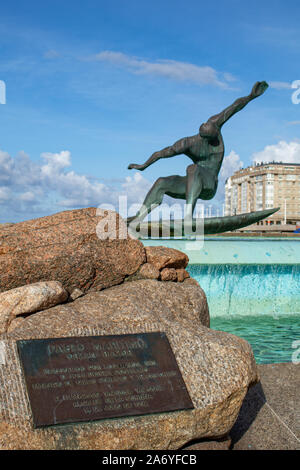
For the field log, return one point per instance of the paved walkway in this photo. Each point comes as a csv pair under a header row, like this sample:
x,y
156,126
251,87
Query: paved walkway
x,y
270,415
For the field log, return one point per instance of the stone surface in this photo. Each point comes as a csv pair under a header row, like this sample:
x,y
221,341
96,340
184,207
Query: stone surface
x,y
127,304
217,369
148,271
270,416
76,293
163,257
65,247
168,274
16,322
182,274
6,224
190,281
28,299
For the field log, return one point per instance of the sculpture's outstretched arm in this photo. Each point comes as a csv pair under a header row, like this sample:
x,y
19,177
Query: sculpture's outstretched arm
x,y
176,149
258,89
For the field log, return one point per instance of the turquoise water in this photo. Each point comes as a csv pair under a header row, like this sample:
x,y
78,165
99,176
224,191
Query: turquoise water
x,y
260,303
272,339
252,287
249,289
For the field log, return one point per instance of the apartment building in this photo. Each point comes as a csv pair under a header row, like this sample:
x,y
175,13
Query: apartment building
x,y
264,186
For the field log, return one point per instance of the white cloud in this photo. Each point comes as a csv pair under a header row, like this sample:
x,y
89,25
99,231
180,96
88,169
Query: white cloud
x,y
29,189
172,69
32,189
28,196
5,165
136,187
4,194
55,162
287,152
281,85
231,163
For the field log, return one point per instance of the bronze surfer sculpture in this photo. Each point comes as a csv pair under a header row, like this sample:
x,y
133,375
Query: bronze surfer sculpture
x,y
206,150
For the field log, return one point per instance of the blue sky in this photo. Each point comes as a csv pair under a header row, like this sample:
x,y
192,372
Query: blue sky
x,y
93,86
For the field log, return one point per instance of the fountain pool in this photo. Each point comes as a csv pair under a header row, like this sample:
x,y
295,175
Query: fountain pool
x,y
252,287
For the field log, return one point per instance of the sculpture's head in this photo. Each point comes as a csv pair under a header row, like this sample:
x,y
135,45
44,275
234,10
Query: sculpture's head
x,y
208,130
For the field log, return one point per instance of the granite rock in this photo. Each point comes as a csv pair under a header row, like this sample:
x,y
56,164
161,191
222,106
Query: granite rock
x,y
66,247
148,271
126,304
75,294
217,369
190,281
168,274
162,257
15,322
29,299
182,274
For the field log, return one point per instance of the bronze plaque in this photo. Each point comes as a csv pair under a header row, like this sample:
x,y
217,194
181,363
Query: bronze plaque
x,y
97,377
